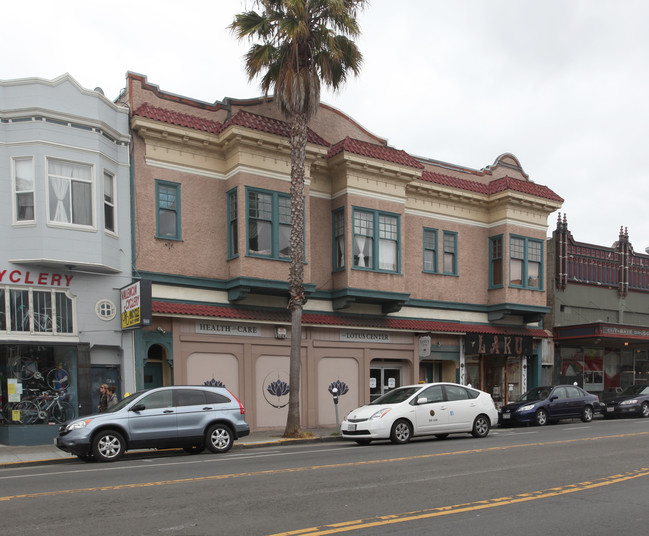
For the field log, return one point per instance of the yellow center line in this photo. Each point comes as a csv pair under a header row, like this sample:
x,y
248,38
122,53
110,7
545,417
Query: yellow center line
x,y
304,469
359,524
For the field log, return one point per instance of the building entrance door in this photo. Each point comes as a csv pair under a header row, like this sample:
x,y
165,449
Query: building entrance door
x,y
495,373
382,380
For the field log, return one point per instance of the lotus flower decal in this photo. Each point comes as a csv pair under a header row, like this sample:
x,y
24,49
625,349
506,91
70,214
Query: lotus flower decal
x,y
214,383
342,387
278,388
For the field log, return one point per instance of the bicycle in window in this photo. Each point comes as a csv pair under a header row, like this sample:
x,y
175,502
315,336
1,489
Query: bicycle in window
x,y
46,406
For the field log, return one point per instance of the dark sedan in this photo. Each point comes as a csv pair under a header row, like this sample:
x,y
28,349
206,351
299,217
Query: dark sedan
x,y
634,400
542,405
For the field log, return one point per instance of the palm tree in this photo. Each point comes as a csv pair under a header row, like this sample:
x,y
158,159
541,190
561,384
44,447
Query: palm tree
x,y
302,43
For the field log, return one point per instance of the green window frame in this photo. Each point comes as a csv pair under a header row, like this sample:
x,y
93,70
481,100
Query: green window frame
x,y
526,263
496,276
233,230
268,224
430,251
449,258
338,237
168,222
376,240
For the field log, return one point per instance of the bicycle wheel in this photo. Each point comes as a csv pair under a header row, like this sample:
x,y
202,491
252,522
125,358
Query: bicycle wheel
x,y
28,412
58,379
62,412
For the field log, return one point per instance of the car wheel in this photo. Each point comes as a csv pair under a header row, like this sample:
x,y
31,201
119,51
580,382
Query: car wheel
x,y
481,426
219,438
194,449
401,432
108,446
541,417
363,441
441,436
587,414
645,409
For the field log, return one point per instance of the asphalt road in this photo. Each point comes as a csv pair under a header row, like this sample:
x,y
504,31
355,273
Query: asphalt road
x,y
572,478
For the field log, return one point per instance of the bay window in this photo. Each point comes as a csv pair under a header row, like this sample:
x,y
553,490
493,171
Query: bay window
x,y
376,240
70,191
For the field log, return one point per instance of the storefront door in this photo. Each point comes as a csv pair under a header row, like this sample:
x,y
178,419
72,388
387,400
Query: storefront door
x,y
495,379
382,380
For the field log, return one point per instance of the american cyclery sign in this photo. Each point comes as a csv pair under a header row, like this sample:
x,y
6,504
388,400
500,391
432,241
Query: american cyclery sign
x,y
364,336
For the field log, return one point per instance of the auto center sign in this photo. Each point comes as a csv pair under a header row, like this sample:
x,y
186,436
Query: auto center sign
x,y
135,304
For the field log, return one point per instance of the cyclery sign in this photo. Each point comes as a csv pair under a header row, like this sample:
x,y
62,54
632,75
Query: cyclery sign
x,y
501,344
135,302
25,277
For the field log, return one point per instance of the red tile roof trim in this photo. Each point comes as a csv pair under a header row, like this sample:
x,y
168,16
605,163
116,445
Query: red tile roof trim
x,y
499,185
269,125
342,321
380,152
177,118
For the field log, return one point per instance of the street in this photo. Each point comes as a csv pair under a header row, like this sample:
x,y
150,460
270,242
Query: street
x,y
570,478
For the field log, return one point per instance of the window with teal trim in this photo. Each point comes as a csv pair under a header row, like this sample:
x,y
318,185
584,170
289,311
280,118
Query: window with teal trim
x,y
269,224
338,223
430,251
233,233
496,262
449,241
168,210
526,263
376,240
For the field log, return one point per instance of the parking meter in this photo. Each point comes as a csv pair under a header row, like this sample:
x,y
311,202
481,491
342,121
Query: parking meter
x,y
334,393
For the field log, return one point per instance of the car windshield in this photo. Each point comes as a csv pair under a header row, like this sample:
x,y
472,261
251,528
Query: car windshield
x,y
636,390
123,402
396,396
538,393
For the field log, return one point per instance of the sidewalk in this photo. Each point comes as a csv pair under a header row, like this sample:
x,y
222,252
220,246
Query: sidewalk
x,y
21,456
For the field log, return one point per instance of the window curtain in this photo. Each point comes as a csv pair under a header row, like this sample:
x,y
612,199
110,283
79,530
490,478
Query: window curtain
x,y
387,255
360,243
71,186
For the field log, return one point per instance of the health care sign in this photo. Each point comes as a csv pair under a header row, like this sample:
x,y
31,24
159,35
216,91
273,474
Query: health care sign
x,y
135,306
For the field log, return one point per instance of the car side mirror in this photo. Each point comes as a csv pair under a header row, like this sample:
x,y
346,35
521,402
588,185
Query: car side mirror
x,y
422,400
553,398
138,407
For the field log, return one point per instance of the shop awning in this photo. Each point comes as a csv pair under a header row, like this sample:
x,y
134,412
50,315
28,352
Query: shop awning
x,y
283,317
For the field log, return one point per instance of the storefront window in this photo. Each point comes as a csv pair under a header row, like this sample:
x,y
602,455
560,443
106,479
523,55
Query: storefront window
x,y
36,311
38,384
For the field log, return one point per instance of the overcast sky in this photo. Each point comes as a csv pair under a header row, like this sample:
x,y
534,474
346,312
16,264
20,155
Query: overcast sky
x,y
561,84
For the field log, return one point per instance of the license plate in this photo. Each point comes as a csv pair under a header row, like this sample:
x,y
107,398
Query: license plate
x,y
506,416
609,409
351,427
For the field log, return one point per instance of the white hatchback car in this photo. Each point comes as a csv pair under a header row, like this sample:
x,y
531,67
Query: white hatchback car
x,y
437,409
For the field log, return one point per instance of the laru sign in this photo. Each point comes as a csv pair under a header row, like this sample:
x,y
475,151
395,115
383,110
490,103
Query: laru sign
x,y
498,344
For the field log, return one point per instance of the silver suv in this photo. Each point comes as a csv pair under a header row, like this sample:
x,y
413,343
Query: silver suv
x,y
189,416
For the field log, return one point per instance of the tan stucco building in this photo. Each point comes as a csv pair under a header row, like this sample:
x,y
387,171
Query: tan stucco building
x,y
415,269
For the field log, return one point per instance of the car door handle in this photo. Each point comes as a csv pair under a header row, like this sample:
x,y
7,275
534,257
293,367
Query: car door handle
x,y
168,411
207,408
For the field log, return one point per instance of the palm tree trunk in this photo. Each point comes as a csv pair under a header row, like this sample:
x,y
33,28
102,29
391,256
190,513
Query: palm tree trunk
x,y
296,270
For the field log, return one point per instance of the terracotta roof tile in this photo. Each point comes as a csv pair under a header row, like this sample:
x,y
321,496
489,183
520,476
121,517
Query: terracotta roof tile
x,y
177,118
380,152
268,124
498,185
343,321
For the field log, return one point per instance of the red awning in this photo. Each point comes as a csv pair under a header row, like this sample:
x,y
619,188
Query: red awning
x,y
243,314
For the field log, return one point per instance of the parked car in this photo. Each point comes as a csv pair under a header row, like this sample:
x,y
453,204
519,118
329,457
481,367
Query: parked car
x,y
634,400
191,417
550,404
437,409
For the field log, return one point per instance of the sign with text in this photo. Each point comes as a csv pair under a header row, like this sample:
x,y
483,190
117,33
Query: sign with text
x,y
135,304
224,328
364,336
500,344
